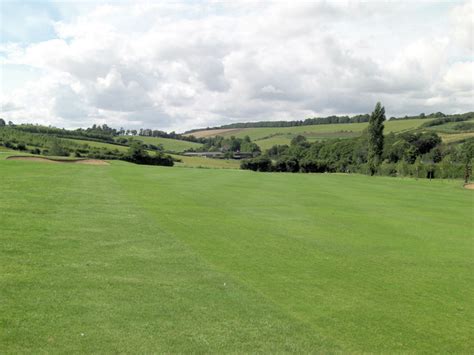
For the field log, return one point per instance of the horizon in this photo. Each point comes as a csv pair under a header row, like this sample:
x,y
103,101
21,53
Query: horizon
x,y
188,65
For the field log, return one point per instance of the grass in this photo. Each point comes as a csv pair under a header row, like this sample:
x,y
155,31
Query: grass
x,y
449,127
259,133
172,145
455,137
203,162
127,258
95,144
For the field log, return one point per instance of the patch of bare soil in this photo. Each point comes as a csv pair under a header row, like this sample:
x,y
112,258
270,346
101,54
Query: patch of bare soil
x,y
469,186
59,161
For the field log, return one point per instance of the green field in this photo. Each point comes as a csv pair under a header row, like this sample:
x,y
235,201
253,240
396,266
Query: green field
x,y
266,137
259,133
95,144
142,259
172,145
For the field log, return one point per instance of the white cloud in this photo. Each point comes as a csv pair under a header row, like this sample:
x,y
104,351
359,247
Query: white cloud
x,y
180,66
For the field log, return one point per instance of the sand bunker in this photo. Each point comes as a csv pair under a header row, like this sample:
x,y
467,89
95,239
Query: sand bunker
x,y
469,186
60,161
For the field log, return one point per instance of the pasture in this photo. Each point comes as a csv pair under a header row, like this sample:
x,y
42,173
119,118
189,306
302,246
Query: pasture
x,y
263,132
127,258
171,145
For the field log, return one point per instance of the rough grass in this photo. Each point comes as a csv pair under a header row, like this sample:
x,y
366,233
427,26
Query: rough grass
x,y
449,127
172,145
95,144
203,162
455,137
141,259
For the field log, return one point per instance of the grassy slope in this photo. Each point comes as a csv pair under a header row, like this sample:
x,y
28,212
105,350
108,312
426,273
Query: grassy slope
x,y
266,138
127,258
258,133
449,134
168,144
99,144
173,145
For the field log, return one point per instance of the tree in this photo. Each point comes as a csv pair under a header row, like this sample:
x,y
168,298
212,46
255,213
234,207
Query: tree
x,y
375,143
2,122
56,149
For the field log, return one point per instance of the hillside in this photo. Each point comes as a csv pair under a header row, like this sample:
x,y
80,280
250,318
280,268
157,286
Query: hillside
x,y
268,136
169,145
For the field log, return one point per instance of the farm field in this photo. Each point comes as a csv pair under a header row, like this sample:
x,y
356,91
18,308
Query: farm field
x,y
455,137
172,145
128,258
261,133
111,146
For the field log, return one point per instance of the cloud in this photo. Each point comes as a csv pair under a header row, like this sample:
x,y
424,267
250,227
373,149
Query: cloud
x,y
182,65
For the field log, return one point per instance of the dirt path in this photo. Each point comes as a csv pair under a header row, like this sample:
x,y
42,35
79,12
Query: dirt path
x,y
469,186
60,161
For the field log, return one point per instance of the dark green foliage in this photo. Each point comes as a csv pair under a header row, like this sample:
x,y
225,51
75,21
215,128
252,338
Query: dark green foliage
x,y
21,146
137,154
375,138
287,164
56,149
451,118
257,164
464,126
2,122
311,165
232,145
408,146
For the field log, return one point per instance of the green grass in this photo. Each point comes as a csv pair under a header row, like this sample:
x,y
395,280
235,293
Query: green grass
x,y
172,145
449,127
95,144
141,259
259,133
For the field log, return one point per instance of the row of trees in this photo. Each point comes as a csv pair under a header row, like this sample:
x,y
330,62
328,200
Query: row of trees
x,y
228,145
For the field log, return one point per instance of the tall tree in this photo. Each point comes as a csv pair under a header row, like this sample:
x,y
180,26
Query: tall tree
x,y
375,148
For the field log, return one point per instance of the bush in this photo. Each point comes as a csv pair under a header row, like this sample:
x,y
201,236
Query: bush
x,y
314,166
257,164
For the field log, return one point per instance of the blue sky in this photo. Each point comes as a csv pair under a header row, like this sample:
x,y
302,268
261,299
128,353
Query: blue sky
x,y
180,65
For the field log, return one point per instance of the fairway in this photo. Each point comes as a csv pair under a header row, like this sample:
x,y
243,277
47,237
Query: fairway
x,y
142,259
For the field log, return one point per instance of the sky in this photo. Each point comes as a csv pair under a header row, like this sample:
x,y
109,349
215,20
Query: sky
x,y
178,65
